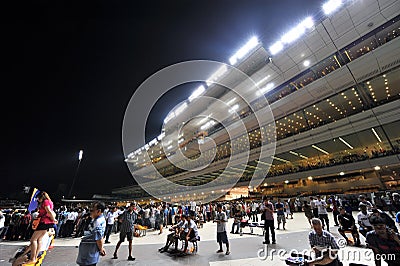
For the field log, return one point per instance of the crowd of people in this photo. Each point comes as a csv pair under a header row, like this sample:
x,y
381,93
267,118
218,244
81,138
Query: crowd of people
x,y
95,223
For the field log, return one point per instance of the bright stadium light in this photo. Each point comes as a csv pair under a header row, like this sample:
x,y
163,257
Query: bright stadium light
x,y
292,35
196,93
161,136
331,6
207,125
80,155
231,101
266,89
306,63
276,48
253,42
217,74
180,109
234,108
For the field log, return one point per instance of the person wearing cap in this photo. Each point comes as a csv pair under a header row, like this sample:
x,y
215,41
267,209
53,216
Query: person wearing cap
x,y
383,240
363,220
347,223
221,219
388,221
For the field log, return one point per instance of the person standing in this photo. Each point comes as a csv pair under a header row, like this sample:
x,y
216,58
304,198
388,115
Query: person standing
x,y
47,220
112,214
268,217
280,214
308,211
322,212
288,210
92,242
128,219
314,207
221,219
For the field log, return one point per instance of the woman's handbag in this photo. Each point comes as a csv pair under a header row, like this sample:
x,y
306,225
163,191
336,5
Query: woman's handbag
x,y
35,223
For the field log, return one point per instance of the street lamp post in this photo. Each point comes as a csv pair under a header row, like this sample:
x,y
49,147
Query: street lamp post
x,y
76,172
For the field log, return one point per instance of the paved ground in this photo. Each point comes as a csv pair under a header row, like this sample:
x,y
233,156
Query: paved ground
x,y
244,249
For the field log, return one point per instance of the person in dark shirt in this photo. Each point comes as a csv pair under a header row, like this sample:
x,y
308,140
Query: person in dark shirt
x,y
388,221
382,240
347,223
280,214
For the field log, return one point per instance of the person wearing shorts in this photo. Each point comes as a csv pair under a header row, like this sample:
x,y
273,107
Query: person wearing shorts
x,y
127,228
221,219
280,214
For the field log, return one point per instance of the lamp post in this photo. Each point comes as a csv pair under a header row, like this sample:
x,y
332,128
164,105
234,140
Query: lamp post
x,y
76,172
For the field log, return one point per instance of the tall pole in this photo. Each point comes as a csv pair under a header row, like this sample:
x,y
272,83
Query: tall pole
x,y
76,173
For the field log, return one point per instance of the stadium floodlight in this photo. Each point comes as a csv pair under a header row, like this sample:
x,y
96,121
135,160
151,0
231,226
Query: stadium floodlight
x,y
307,23
153,142
346,143
293,34
306,63
180,108
146,147
266,89
261,81
203,120
319,149
250,45
234,108
217,74
276,48
80,155
161,136
376,135
196,93
231,101
331,6
170,116
130,155
207,125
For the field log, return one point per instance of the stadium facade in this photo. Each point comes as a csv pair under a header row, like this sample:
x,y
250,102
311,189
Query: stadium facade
x,y
333,86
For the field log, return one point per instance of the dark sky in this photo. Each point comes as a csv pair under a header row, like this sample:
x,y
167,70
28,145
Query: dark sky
x,y
70,69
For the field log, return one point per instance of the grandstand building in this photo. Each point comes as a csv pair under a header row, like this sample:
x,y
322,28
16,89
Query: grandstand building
x,y
333,86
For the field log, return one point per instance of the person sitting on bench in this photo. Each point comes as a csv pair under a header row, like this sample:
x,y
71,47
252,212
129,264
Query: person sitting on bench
x,y
347,223
175,235
190,231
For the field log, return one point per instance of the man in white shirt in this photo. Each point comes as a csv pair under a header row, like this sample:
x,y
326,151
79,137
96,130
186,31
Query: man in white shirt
x,y
112,214
363,220
221,219
322,212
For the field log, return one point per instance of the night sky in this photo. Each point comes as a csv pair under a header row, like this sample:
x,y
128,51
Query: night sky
x,y
70,69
